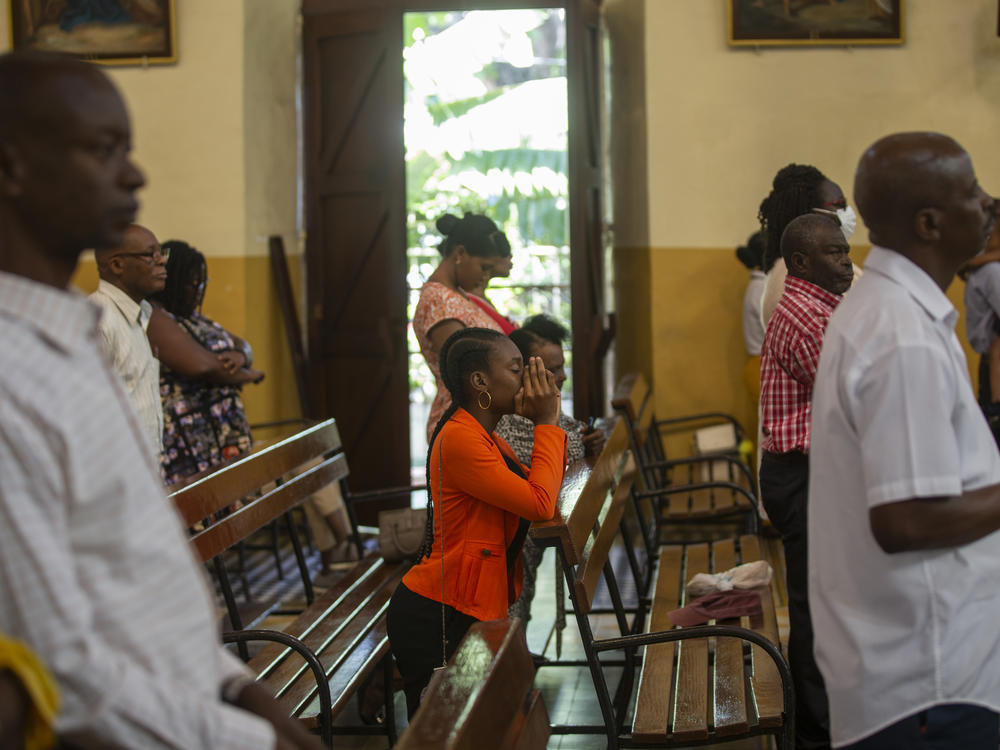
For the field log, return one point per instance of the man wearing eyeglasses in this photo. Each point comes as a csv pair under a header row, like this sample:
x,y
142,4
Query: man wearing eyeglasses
x,y
129,274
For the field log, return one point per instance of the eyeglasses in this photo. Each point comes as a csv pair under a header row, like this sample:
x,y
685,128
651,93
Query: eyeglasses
x,y
150,257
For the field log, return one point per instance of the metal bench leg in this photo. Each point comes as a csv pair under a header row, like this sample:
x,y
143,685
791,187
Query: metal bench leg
x,y
299,559
596,670
390,703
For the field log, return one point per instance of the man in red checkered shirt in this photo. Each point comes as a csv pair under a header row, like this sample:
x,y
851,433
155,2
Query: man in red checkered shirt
x,y
819,272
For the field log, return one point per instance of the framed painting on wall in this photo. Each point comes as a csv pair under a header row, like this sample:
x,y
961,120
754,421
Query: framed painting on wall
x,y
808,22
112,32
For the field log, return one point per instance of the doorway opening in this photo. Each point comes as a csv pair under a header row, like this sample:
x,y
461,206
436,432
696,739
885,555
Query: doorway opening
x,y
486,131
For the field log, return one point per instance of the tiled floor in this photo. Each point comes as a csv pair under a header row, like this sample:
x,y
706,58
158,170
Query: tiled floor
x,y
568,691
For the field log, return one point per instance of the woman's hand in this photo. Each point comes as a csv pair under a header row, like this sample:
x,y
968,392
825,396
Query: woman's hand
x,y
593,441
539,399
232,360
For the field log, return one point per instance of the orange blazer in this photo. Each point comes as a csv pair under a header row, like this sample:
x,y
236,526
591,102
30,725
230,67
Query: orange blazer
x,y
483,501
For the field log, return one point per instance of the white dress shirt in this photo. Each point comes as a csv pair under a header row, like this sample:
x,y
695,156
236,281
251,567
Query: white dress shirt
x,y
96,573
753,327
894,417
123,338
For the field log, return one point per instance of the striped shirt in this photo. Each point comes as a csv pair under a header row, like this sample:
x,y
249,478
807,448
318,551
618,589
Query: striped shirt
x,y
96,574
788,364
123,338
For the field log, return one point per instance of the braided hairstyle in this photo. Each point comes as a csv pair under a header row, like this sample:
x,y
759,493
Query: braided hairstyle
x,y
185,267
478,234
795,191
464,352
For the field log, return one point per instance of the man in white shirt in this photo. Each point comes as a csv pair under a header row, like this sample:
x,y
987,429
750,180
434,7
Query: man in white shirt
x,y
129,274
96,575
904,492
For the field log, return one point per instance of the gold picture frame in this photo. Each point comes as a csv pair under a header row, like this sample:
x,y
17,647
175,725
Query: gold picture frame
x,y
758,23
110,32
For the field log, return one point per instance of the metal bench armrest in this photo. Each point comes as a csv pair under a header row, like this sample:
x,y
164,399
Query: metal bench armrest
x,y
312,661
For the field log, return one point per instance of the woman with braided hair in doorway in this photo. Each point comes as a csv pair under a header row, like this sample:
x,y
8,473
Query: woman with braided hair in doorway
x,y
481,502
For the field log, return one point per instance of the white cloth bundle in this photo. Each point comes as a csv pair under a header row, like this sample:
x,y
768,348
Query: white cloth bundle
x,y
747,576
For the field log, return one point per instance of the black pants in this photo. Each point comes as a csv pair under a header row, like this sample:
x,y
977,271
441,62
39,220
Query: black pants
x,y
413,624
954,726
784,488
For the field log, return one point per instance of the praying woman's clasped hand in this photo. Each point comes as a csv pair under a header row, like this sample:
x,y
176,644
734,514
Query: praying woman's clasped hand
x,y
539,399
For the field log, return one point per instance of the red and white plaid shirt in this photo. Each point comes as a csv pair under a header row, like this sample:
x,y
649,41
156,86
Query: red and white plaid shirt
x,y
788,362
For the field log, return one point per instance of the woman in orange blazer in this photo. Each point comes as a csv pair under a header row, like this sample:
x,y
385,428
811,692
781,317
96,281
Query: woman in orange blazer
x,y
481,502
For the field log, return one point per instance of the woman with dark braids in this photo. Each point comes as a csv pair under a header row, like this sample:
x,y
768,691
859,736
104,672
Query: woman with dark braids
x,y
202,368
471,246
481,502
797,189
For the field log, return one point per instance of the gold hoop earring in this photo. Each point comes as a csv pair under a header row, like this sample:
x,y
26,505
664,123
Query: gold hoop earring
x,y
489,400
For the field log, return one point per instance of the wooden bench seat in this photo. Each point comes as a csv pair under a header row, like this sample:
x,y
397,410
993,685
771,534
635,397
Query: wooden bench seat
x,y
704,489
484,698
711,687
691,685
318,664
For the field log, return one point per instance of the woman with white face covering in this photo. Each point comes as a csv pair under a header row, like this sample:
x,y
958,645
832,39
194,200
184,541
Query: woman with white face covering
x,y
797,189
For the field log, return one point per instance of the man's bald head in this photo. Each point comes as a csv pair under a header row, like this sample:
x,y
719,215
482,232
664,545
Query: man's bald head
x,y
67,181
38,90
815,249
902,174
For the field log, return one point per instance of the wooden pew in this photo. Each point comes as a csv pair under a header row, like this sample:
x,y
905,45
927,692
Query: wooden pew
x,y
703,490
678,668
320,661
483,698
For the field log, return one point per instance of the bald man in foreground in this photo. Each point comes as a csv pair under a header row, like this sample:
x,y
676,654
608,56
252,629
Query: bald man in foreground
x,y
904,492
96,575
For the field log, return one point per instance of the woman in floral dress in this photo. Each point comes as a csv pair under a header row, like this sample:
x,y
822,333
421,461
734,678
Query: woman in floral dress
x,y
202,369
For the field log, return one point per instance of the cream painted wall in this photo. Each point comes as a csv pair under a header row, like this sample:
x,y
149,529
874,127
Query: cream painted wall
x,y
215,134
723,120
270,127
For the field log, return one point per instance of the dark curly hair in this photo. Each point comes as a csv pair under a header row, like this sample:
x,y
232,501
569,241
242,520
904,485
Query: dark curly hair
x,y
795,191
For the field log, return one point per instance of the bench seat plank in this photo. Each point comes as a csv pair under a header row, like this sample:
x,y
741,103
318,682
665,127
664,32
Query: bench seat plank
x,y
766,680
652,703
730,680
345,627
690,713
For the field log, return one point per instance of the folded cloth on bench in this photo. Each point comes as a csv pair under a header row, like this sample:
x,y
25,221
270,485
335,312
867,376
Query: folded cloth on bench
x,y
747,576
721,605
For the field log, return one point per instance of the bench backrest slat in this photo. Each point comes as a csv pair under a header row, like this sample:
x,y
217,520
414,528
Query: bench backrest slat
x,y
588,572
237,480
260,511
594,494
630,394
472,703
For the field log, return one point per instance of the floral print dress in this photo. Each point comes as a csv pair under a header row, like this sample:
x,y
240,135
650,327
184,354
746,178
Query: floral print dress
x,y
203,423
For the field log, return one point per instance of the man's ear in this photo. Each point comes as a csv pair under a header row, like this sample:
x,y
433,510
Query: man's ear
x,y
115,266
800,264
11,170
927,224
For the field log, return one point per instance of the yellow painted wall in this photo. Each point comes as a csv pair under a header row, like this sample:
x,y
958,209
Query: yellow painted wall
x,y
215,135
722,121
